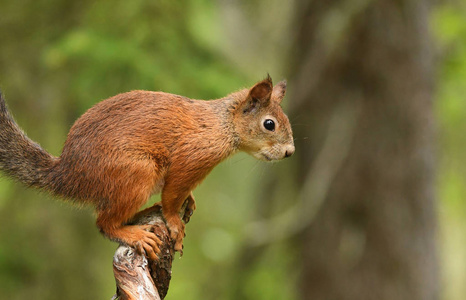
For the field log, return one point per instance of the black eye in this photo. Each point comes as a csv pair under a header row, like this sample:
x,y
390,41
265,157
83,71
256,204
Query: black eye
x,y
269,125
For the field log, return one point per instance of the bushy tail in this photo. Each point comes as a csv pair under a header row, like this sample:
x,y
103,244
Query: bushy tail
x,y
20,157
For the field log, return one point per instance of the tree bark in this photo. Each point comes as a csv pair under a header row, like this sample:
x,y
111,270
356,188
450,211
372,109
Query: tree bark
x,y
374,234
138,277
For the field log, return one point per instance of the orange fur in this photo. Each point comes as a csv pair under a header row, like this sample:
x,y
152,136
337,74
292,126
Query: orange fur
x,y
133,145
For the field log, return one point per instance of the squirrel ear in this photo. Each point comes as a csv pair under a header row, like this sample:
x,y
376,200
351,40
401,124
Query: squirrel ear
x,y
259,95
279,91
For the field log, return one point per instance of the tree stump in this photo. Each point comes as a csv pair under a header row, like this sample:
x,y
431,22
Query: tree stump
x,y
138,277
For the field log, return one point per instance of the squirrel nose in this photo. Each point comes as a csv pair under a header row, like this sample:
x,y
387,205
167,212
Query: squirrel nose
x,y
289,151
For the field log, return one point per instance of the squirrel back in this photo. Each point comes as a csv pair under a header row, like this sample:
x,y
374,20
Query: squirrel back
x,y
135,127
121,142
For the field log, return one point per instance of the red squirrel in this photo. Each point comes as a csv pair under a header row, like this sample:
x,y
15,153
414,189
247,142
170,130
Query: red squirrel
x,y
136,144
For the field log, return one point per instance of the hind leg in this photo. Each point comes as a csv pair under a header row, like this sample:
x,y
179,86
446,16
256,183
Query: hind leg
x,y
138,236
129,190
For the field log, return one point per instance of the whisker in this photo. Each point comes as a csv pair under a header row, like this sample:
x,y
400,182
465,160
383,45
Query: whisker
x,y
235,161
251,170
297,117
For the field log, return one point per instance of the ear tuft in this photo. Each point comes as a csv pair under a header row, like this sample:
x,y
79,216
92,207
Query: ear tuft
x,y
268,78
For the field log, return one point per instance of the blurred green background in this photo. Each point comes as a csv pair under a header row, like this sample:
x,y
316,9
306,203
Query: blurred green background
x,y
58,58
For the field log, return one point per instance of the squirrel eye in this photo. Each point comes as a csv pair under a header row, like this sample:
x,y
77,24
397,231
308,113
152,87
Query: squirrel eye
x,y
269,125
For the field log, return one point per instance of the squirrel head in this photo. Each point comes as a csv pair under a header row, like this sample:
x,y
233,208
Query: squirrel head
x,y
263,129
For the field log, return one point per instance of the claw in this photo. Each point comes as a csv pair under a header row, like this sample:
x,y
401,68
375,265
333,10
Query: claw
x,y
187,215
189,210
139,248
147,243
186,219
149,251
177,233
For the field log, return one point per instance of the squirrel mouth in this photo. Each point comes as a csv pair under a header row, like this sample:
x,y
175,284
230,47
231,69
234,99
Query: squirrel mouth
x,y
266,157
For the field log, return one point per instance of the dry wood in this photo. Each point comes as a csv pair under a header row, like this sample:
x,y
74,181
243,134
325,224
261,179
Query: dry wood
x,y
138,277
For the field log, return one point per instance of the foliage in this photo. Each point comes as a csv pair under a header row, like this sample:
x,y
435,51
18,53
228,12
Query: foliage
x,y
58,58
449,27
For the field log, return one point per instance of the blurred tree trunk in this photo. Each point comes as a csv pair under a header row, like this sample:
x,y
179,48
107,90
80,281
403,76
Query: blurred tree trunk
x,y
373,235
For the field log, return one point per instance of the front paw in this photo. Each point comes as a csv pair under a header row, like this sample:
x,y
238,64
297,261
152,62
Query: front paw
x,y
176,228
